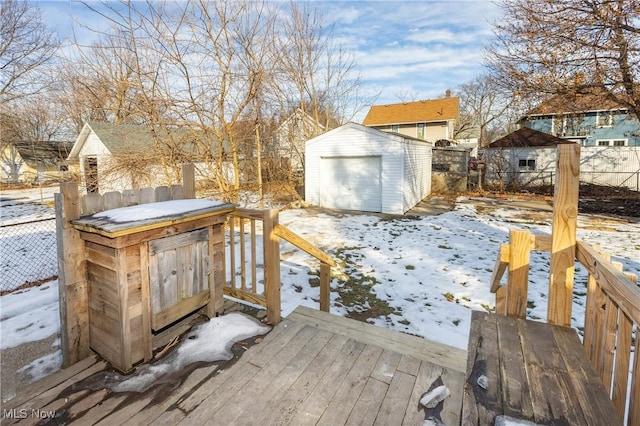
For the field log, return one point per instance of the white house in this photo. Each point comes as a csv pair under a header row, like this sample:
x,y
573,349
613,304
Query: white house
x,y
114,157
290,137
354,167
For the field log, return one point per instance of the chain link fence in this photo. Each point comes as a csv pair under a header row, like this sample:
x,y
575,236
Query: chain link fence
x,y
28,253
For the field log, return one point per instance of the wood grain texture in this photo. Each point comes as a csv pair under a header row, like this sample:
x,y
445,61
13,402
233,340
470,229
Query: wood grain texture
x,y
543,375
444,355
502,262
72,285
293,238
563,245
518,280
298,374
271,265
623,291
189,180
623,364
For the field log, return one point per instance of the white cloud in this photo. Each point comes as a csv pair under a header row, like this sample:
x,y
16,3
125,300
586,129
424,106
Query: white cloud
x,y
348,15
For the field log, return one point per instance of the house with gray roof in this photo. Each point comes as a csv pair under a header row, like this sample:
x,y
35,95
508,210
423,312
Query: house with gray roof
x,y
114,157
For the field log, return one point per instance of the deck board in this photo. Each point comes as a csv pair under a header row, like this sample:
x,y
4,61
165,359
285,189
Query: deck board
x,y
313,368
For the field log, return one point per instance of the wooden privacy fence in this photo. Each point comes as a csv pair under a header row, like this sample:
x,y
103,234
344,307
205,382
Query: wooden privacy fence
x,y
253,275
612,314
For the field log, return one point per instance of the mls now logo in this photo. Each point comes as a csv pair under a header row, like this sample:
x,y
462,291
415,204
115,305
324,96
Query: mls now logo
x,y
23,413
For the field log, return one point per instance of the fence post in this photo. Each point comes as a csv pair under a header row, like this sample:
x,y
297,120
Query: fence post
x,y
271,244
72,277
188,181
563,234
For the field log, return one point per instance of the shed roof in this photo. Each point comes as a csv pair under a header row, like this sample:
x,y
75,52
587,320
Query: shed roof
x,y
413,112
351,125
526,137
47,153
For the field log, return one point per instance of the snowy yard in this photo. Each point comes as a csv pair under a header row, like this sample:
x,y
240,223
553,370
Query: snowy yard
x,y
422,275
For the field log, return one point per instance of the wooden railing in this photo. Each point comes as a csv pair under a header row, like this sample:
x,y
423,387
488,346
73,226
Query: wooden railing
x,y
253,275
612,313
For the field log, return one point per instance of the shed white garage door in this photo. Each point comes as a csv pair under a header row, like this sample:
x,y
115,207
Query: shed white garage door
x,y
351,183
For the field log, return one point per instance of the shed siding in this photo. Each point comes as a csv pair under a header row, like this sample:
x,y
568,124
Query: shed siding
x,y
352,142
417,169
405,176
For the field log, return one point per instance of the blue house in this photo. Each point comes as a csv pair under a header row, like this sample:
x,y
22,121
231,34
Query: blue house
x,y
589,119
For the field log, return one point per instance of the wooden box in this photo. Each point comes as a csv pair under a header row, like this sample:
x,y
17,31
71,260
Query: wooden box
x,y
144,275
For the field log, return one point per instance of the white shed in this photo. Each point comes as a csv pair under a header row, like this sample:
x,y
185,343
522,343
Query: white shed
x,y
354,167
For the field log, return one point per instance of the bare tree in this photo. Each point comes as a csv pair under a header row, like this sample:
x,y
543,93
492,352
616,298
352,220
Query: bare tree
x,y
316,74
483,106
316,82
566,47
212,68
26,46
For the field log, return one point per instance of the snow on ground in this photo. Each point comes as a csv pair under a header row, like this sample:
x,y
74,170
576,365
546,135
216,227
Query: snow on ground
x,y
26,204
434,270
29,315
431,271
27,252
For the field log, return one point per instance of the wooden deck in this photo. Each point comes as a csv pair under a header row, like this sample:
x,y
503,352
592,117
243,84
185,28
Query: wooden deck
x,y
313,368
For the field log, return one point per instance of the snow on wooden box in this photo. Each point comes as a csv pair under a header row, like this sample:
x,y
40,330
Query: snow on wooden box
x,y
148,272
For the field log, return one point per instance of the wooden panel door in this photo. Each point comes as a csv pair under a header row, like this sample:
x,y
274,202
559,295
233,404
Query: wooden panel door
x,y
179,269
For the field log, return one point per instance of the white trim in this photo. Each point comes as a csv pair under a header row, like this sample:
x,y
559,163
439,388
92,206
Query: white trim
x,y
609,120
610,142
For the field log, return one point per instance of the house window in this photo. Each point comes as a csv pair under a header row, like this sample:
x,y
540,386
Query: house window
x,y
611,142
420,131
395,128
604,119
526,164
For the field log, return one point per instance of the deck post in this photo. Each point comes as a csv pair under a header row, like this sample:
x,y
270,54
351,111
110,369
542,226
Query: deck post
x,y
72,277
325,286
518,279
271,265
563,235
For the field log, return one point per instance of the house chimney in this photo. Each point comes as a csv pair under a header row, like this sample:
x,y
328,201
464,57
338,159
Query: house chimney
x,y
447,94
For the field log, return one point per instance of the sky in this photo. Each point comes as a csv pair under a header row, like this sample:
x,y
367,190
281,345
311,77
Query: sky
x,y
431,271
403,50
